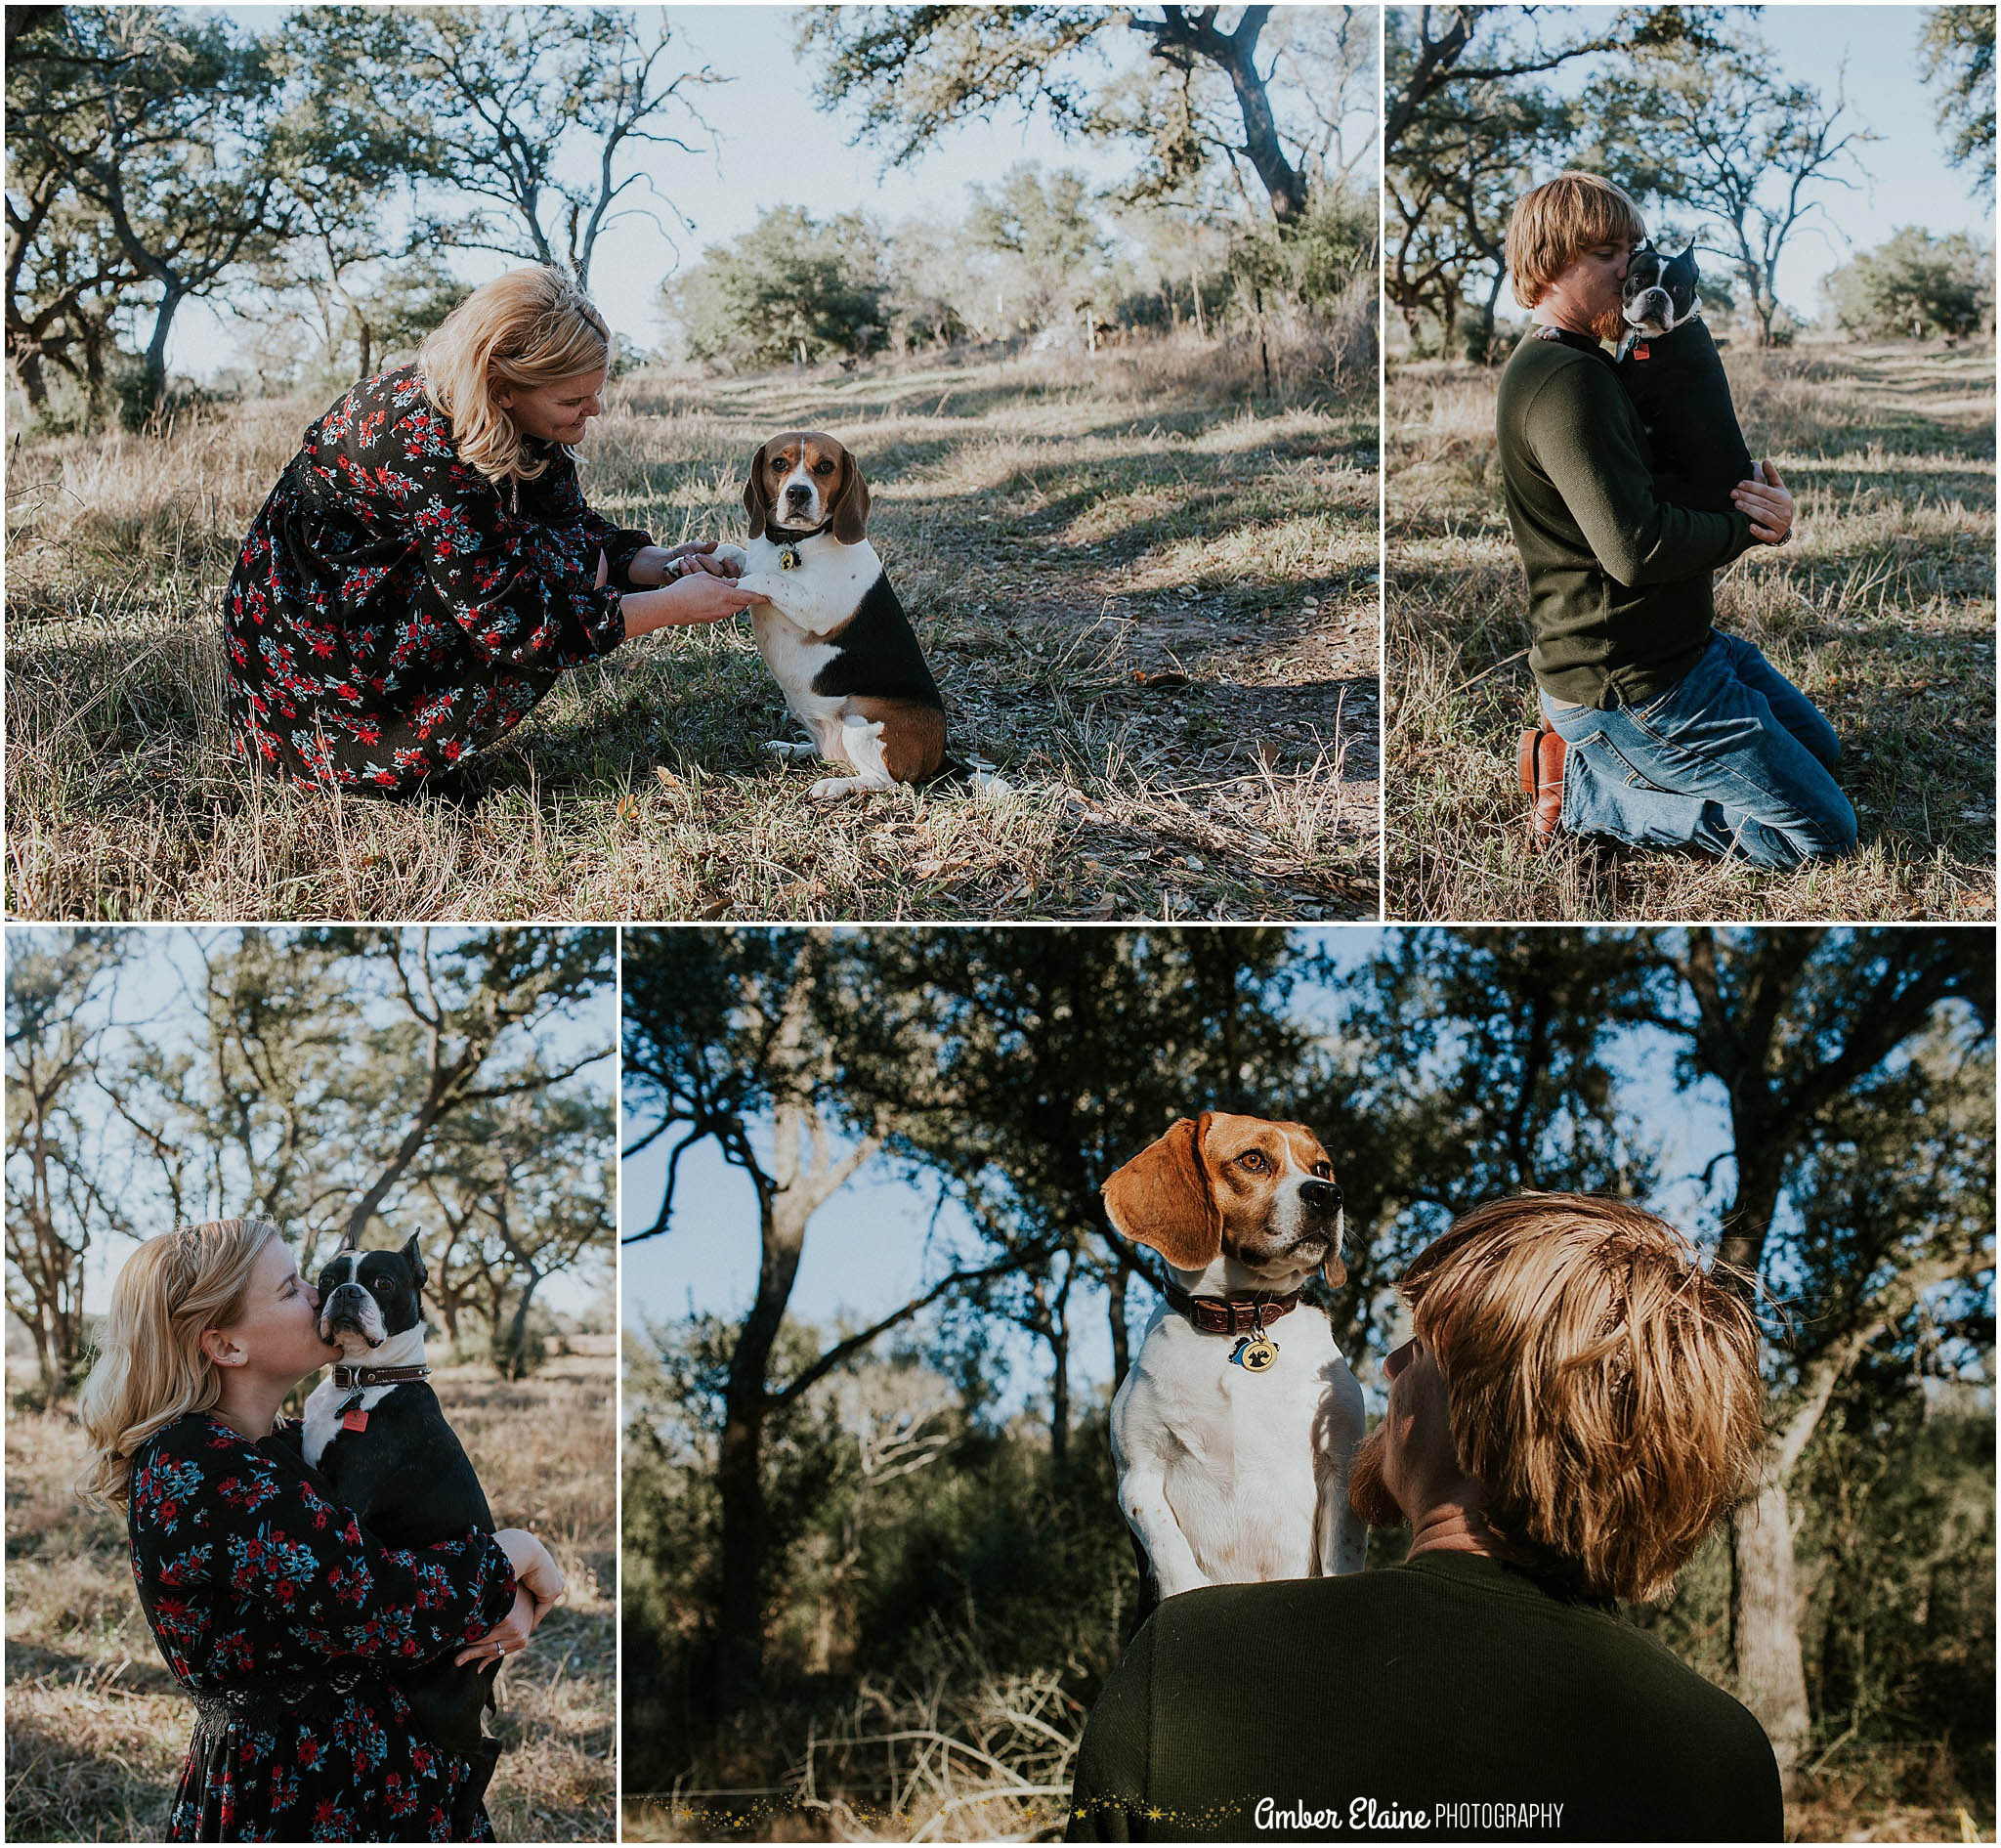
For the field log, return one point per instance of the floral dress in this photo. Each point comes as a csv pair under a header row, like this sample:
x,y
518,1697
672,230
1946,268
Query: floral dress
x,y
393,610
280,1618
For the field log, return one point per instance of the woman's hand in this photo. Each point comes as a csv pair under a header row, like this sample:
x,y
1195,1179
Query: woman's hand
x,y
694,600
534,1571
1768,502
508,1637
662,564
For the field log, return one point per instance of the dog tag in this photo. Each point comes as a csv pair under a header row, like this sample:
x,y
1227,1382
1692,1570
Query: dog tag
x,y
355,1421
1641,353
788,559
1254,1353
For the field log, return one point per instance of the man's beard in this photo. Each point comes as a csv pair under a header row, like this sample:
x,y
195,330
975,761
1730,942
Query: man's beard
x,y
1368,1493
1610,326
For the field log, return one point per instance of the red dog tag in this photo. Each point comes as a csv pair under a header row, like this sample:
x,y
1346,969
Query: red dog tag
x,y
1641,353
355,1421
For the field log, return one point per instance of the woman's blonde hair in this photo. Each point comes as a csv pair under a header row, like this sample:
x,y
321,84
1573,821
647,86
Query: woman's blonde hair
x,y
1553,225
151,1369
1601,1387
530,328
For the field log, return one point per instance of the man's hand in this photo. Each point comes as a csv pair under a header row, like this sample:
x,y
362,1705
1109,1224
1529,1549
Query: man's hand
x,y
1768,502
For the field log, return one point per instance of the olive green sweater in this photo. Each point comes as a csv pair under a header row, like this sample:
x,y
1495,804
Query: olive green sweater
x,y
1453,1693
1619,603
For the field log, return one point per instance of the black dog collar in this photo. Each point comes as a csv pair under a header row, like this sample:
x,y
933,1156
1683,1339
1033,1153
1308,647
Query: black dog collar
x,y
1231,1314
785,535
788,543
359,1378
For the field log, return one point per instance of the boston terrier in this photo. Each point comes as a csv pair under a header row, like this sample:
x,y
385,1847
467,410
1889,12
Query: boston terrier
x,y
375,1430
1675,376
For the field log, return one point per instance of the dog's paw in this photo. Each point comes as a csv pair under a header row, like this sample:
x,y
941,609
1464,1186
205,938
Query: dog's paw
x,y
789,749
835,788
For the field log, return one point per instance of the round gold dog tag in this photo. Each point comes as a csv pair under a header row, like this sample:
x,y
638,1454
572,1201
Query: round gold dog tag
x,y
1255,1352
789,560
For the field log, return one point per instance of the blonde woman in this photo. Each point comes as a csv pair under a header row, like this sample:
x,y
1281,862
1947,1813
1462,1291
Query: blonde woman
x,y
426,566
283,1623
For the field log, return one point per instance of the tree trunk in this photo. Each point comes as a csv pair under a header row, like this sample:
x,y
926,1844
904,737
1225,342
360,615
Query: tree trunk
x,y
27,367
1059,1398
739,1469
1122,1340
517,1332
156,351
1764,1626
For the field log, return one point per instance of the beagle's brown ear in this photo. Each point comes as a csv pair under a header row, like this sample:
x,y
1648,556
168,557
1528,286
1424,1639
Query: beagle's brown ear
x,y
1161,1197
754,502
850,510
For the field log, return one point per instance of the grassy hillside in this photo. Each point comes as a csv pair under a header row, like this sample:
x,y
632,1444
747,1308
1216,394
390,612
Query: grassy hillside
x,y
1880,610
1150,601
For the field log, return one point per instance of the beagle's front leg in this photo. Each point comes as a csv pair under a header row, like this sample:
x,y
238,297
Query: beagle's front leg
x,y
1341,1537
1143,1501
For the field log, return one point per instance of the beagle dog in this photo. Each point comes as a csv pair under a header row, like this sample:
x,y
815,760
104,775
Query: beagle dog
x,y
1234,1432
831,630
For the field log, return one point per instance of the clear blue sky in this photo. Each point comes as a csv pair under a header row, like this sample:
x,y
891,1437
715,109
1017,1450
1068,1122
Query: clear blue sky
x,y
864,1252
773,147
1903,178
153,988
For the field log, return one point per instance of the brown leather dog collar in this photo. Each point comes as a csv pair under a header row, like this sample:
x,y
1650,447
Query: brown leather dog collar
x,y
348,1377
1231,1314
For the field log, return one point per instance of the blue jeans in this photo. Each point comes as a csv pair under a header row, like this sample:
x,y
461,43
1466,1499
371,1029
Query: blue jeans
x,y
1733,757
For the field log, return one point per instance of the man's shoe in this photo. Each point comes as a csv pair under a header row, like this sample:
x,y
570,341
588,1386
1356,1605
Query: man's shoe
x,y
1540,759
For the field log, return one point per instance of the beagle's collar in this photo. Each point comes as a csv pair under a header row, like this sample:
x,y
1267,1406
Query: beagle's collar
x,y
1231,1314
785,535
346,1378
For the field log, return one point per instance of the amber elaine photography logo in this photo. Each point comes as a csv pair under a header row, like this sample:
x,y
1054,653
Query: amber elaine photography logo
x,y
1364,1815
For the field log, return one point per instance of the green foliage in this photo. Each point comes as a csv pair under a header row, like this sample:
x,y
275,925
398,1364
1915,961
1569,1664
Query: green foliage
x,y
1897,1550
792,287
1956,52
899,1509
515,1353
1196,106
1045,225
1316,260
1914,287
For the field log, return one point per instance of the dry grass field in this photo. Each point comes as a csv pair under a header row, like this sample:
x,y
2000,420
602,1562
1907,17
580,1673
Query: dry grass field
x,y
1150,601
1881,611
96,1731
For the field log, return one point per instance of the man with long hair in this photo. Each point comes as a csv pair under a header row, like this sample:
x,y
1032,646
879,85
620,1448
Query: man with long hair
x,y
1658,728
1578,1406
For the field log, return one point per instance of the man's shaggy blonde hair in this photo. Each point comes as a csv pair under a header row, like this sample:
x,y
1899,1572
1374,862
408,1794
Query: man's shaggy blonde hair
x,y
1601,1386
1553,225
530,328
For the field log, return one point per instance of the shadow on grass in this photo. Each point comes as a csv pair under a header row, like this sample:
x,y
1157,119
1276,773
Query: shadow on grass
x,y
63,1787
1884,618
